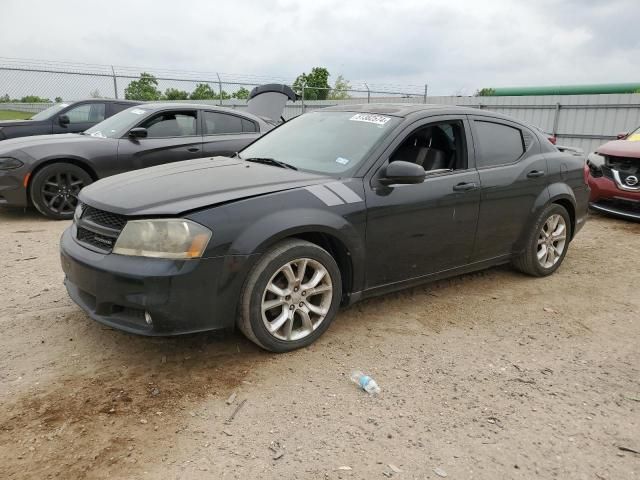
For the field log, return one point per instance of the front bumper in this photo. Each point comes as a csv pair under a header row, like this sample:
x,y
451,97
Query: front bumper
x,y
607,198
181,296
12,190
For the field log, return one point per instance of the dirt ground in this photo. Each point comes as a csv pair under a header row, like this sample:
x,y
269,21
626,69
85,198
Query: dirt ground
x,y
493,375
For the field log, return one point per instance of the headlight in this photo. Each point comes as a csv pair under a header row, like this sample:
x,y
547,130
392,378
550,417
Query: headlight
x,y
8,163
167,238
595,160
78,213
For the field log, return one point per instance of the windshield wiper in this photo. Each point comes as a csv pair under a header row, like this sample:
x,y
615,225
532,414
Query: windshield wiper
x,y
270,161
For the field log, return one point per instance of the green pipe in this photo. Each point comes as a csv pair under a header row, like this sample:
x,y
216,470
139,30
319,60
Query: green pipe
x,y
562,90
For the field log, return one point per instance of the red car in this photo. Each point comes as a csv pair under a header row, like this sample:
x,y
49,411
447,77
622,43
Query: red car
x,y
614,176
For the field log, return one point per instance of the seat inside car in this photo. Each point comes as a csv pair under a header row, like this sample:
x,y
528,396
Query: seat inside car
x,y
430,147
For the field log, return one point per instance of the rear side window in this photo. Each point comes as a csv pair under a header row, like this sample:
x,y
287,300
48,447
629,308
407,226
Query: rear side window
x,y
216,123
87,113
499,144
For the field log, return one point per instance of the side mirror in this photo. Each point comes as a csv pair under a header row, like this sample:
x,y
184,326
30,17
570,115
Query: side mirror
x,y
63,120
138,132
622,135
402,173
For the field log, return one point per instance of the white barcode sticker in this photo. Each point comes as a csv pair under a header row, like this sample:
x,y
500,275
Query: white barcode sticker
x,y
370,118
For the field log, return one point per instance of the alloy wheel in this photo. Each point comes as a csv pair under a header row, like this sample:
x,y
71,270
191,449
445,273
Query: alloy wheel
x,y
60,192
297,299
552,241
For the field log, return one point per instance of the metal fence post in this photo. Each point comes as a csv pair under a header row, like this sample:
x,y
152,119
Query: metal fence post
x,y
115,82
303,105
556,117
425,93
219,88
368,93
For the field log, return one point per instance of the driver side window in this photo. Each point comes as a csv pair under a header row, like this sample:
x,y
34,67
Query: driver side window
x,y
171,124
436,146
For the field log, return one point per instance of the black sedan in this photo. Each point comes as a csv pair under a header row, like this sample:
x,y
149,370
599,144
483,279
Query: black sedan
x,y
332,207
71,117
48,171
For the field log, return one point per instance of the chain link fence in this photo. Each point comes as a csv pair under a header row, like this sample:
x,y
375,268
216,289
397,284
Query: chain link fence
x,y
31,86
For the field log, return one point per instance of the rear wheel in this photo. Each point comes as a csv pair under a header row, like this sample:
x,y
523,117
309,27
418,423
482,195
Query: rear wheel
x,y
55,189
290,297
547,244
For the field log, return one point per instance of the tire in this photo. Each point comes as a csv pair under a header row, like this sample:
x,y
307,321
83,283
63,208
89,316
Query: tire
x,y
54,189
540,241
307,322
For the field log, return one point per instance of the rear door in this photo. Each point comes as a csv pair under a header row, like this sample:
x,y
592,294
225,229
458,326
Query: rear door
x,y
225,133
513,173
172,135
81,117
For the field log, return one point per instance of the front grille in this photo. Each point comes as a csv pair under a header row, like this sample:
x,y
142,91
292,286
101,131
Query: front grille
x,y
106,219
97,229
607,171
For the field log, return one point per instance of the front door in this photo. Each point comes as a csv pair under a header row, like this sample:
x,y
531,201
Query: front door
x,y
172,135
417,230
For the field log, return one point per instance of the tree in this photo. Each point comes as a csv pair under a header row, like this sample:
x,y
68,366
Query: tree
x,y
95,93
340,90
242,93
203,91
485,92
316,84
143,89
5,98
175,94
58,100
34,99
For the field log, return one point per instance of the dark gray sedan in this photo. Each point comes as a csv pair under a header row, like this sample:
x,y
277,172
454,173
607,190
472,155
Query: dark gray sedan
x,y
48,171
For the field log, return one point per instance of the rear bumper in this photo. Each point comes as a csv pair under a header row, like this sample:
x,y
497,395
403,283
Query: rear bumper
x,y
181,296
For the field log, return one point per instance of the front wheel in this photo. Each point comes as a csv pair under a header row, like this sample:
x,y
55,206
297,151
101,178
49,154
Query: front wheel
x,y
290,296
55,188
547,243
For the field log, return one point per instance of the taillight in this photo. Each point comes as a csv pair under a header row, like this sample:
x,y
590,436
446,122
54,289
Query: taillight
x,y
553,139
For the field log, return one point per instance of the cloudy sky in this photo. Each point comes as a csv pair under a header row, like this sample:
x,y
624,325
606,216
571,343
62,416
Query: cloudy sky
x,y
454,46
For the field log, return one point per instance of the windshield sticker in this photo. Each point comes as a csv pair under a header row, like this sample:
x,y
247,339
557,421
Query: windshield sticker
x,y
342,161
138,111
370,118
634,137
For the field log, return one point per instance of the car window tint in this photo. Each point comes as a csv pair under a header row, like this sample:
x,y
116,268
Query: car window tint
x,y
118,107
498,144
87,113
171,124
248,126
216,123
435,146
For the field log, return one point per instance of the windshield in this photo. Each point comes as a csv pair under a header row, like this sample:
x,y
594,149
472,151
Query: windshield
x,y
324,142
49,112
634,136
119,124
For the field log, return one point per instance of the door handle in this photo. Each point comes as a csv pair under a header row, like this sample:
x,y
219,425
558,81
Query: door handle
x,y
465,187
535,174
193,149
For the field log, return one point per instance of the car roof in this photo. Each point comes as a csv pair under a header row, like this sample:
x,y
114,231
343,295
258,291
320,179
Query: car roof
x,y
409,109
104,100
163,105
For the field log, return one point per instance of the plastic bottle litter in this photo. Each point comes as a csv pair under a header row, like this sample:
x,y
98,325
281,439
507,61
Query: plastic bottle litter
x,y
365,382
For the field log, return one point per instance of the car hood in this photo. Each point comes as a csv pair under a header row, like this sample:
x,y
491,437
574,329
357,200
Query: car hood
x,y
62,140
176,188
620,148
